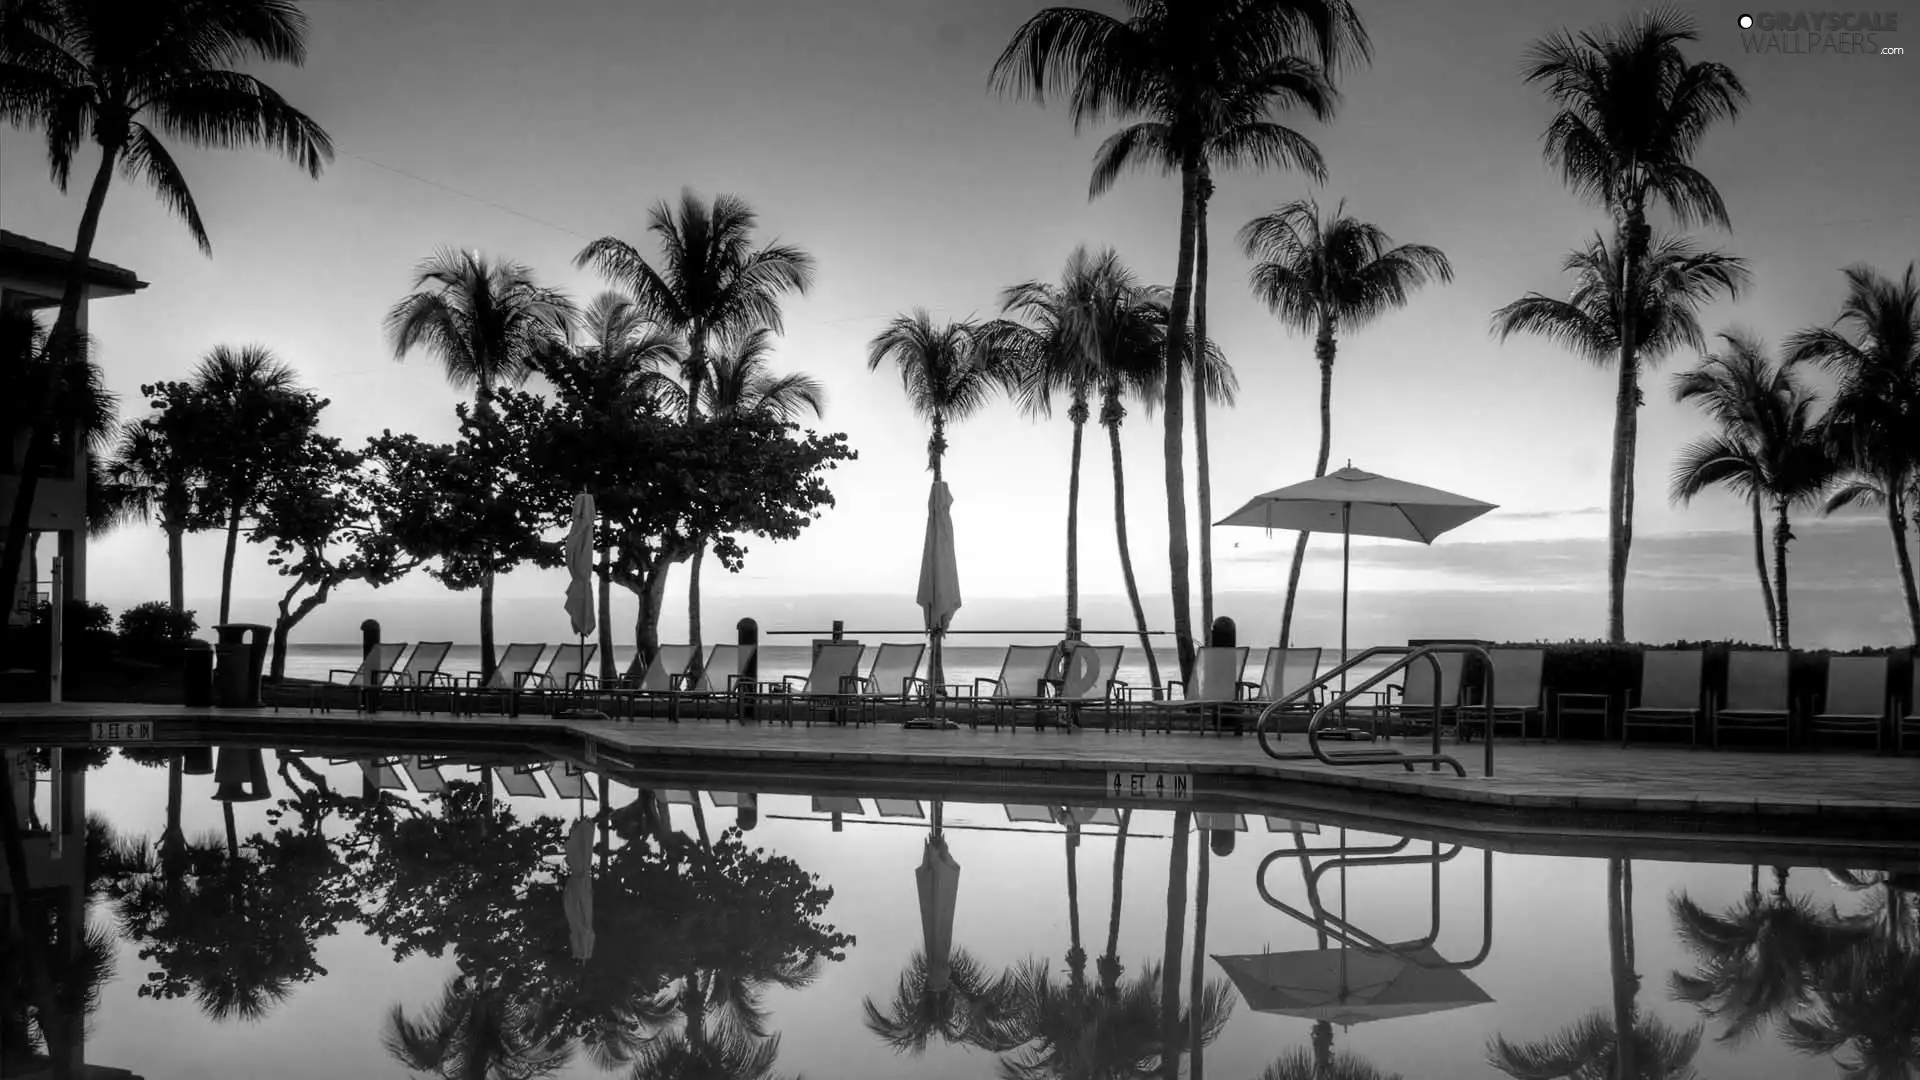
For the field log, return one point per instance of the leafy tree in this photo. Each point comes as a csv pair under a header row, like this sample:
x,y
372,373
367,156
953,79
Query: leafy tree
x,y
1768,447
1873,425
317,510
124,73
662,483
1187,67
461,506
154,628
1324,274
1630,112
484,320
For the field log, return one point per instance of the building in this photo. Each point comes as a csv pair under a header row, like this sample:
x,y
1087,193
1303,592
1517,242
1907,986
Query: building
x,y
32,276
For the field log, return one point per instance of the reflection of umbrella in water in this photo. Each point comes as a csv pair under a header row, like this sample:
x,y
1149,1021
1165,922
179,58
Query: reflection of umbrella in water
x,y
939,593
578,897
938,879
1351,985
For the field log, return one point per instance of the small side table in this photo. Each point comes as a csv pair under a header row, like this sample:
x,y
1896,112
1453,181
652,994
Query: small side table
x,y
1600,705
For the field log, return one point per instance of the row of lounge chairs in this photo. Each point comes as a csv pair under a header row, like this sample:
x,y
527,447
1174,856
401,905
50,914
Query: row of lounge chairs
x,y
415,677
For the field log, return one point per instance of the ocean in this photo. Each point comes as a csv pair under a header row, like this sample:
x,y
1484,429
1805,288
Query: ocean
x,y
963,663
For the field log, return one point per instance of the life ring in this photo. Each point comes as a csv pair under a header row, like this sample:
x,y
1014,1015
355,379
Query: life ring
x,y
1082,670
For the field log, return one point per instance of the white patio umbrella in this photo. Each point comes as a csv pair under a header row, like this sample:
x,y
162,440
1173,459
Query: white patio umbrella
x,y
580,579
939,593
1353,503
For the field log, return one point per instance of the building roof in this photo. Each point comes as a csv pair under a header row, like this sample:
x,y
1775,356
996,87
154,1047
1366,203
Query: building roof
x,y
25,257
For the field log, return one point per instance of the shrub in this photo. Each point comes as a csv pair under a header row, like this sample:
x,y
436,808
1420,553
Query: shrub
x,y
153,630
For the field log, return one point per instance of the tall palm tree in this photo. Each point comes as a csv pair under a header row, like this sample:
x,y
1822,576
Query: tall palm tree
x,y
1768,448
739,381
1171,1026
477,1031
146,463
1874,347
1236,133
974,1008
1178,64
485,320
949,371
710,283
1321,275
1630,112
247,391
1108,965
621,361
1069,1030
124,74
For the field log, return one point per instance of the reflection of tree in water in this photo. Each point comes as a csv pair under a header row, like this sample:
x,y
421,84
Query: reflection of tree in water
x,y
77,979
1625,1044
1830,985
1067,1028
687,938
233,923
1301,1064
974,1008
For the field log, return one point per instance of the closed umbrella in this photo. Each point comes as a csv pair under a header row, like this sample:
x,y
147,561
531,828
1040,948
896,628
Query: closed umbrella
x,y
578,897
939,593
938,879
580,580
1353,503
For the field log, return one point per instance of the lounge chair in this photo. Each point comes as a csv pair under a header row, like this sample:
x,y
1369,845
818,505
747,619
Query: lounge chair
x,y
376,667
568,782
1277,824
1517,693
1669,695
422,674
1024,672
519,782
900,808
562,676
837,804
1909,723
1416,709
1757,698
1087,684
1215,685
376,776
718,679
508,674
831,681
1029,814
1285,671
892,678
1856,699
426,778
646,677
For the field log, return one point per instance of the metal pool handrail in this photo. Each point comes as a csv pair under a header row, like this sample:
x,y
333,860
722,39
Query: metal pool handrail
x,y
1407,656
1352,935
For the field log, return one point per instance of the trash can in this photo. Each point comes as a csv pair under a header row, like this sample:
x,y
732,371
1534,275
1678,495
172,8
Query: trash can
x,y
241,653
196,672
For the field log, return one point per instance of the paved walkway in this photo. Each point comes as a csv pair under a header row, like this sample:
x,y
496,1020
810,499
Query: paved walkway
x,y
1642,788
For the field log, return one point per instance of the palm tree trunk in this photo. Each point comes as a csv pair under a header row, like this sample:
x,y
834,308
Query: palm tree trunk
x,y
1782,536
176,568
1621,969
1174,446
1635,237
1197,987
1078,415
60,343
1110,960
936,663
937,446
646,623
1201,388
1076,953
693,594
226,564
486,623
1897,523
1175,945
608,669
1126,554
1323,350
1760,566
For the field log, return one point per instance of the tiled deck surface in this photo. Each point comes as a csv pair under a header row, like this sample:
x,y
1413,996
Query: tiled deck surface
x,y
1876,797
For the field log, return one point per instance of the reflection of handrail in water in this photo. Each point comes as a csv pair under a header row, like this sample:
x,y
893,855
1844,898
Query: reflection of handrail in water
x,y
1347,933
1407,656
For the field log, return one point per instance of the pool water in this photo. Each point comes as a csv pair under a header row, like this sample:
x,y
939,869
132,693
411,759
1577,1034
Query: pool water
x,y
350,926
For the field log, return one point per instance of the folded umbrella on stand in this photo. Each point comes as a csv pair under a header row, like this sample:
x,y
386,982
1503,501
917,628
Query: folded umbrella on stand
x,y
580,584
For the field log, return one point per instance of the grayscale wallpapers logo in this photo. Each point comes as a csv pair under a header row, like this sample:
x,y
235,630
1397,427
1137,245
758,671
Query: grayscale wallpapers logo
x,y
1820,33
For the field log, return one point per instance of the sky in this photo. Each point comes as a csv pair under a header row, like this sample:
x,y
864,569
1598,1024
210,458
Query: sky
x,y
865,132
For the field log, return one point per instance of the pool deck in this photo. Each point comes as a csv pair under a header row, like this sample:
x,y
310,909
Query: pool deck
x,y
1649,791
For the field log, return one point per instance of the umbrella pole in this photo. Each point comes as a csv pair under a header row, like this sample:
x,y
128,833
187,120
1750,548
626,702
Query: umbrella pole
x,y
1346,557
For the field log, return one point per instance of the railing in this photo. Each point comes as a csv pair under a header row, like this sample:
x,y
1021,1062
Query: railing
x,y
1344,931
1379,756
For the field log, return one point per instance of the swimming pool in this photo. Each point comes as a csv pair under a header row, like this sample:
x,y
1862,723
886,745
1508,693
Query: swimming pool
x,y
349,925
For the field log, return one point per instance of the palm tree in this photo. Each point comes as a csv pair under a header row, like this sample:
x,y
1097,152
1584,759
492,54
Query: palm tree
x,y
1860,998
1073,1030
621,362
1237,133
1630,112
477,1032
1170,1020
125,73
974,1008
1767,449
711,283
1181,65
247,392
1109,965
1874,347
739,381
485,320
949,371
1320,275
1300,1064
147,463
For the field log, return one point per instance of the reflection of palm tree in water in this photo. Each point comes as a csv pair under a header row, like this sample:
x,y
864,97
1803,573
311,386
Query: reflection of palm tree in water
x,y
477,1031
77,976
1859,1008
1626,1045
